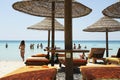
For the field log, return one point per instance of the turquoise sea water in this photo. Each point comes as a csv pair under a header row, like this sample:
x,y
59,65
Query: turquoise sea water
x,y
13,52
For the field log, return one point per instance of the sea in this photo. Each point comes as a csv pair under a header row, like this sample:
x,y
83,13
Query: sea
x,y
12,52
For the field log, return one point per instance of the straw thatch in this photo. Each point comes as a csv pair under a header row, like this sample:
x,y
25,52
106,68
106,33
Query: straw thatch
x,y
103,24
112,10
46,25
43,8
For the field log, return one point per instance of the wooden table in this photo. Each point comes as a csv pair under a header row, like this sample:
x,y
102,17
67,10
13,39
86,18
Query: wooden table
x,y
63,50
68,51
74,51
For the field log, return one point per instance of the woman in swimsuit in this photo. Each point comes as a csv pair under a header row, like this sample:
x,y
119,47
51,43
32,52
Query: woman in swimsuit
x,y
22,49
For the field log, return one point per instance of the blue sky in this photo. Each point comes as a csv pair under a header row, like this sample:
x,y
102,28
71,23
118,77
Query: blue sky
x,y
13,24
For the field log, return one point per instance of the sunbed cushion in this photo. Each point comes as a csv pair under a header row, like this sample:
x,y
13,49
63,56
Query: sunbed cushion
x,y
32,73
100,72
39,55
37,61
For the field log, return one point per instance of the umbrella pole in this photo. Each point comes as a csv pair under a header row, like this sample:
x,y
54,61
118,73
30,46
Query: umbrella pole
x,y
53,30
107,43
48,55
68,40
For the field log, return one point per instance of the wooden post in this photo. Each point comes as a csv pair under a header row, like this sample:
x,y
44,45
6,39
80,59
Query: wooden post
x,y
53,30
68,40
48,55
107,52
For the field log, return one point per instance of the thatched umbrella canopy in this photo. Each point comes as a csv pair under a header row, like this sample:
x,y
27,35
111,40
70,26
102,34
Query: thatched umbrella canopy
x,y
46,25
43,8
105,24
113,10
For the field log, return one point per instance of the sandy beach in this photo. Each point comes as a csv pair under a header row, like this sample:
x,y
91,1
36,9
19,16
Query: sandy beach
x,y
9,66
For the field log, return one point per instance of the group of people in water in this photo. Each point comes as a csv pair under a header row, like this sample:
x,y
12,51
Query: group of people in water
x,y
77,47
38,46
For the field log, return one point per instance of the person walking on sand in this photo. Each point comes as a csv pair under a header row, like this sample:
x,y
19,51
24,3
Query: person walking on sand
x,y
22,49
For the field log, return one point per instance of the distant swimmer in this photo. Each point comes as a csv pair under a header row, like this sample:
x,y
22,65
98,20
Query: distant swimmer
x,y
37,46
74,46
79,46
85,47
6,45
41,46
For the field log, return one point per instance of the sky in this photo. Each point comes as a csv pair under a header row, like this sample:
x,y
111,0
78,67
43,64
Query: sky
x,y
13,24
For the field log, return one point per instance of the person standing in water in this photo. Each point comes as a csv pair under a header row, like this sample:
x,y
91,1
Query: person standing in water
x,y
22,49
74,46
6,45
79,46
41,46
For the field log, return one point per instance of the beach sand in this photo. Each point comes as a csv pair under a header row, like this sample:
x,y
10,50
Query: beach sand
x,y
9,66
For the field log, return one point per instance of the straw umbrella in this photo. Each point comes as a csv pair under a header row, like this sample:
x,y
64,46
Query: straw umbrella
x,y
53,8
113,10
43,8
104,24
46,25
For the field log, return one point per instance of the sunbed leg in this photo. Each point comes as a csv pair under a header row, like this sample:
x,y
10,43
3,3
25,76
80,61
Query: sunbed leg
x,y
60,64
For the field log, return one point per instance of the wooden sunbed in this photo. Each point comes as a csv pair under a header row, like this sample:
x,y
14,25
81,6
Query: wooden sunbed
x,y
100,72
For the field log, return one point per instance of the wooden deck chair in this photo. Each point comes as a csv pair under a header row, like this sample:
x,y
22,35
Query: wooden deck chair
x,y
114,59
96,54
118,54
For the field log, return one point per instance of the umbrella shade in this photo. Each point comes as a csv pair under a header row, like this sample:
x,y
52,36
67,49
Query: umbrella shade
x,y
112,10
46,25
44,8
105,24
